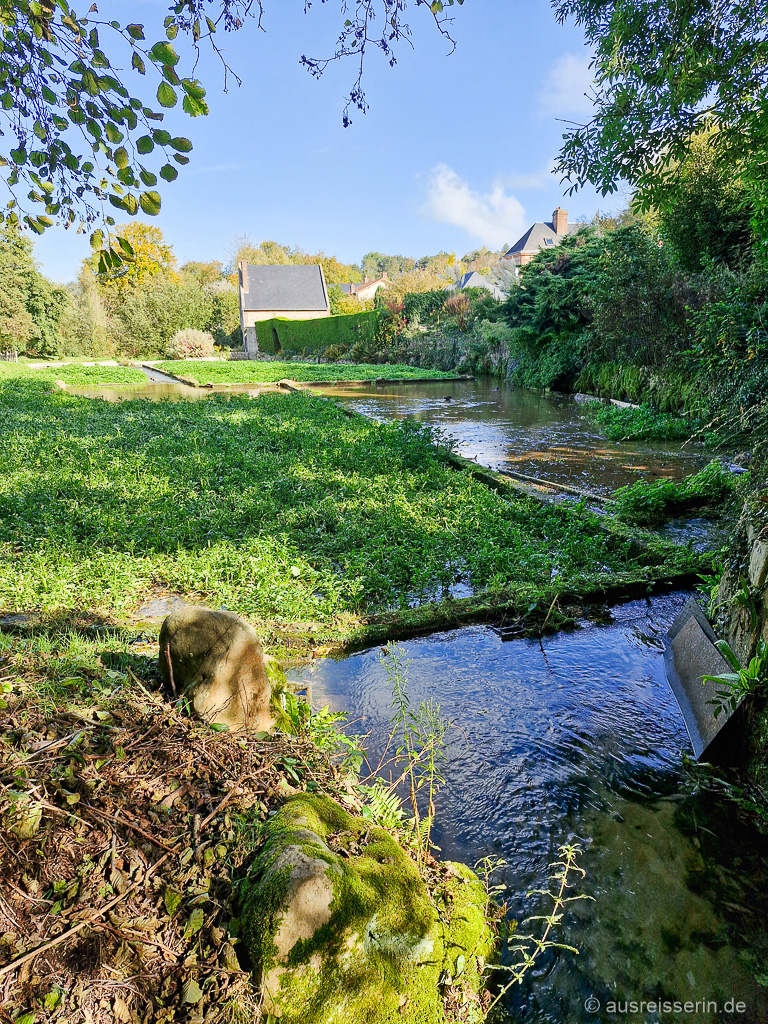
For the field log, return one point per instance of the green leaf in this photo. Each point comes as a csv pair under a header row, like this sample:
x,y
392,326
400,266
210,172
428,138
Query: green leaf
x,y
19,156
193,107
48,94
166,96
126,246
161,136
112,132
169,172
145,144
180,159
163,53
121,157
182,145
193,88
97,239
138,64
194,923
148,177
172,31
135,31
150,203
171,898
169,74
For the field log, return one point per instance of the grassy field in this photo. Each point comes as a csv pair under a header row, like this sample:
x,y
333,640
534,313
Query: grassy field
x,y
281,508
74,374
245,371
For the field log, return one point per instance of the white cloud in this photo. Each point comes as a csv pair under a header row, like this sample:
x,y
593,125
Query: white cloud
x,y
493,218
565,90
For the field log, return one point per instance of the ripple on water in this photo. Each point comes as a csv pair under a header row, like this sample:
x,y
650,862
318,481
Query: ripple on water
x,y
580,735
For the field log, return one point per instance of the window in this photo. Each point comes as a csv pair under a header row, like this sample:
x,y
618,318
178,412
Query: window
x,y
549,241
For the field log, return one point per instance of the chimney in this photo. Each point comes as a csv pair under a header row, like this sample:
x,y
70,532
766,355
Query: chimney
x,y
366,279
384,276
243,265
560,221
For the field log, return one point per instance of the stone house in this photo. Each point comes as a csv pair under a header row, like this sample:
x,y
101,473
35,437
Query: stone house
x,y
293,292
541,235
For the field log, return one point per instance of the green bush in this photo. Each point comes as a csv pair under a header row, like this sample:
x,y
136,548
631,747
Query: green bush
x,y
313,337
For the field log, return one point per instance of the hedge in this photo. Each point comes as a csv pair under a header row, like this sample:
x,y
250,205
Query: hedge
x,y
315,336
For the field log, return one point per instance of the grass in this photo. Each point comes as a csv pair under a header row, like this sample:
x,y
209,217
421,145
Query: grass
x,y
243,371
643,424
281,509
75,374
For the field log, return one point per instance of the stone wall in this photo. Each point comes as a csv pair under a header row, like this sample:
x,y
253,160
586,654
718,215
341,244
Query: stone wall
x,y
742,619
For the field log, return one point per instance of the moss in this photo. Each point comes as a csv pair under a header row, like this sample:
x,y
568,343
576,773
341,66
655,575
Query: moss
x,y
387,947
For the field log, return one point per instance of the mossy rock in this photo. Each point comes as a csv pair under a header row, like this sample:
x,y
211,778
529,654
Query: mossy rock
x,y
341,928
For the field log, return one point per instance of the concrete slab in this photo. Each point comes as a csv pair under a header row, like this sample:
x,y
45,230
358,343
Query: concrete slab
x,y
689,655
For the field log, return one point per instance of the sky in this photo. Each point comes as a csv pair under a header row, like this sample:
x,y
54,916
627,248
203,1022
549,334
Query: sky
x,y
455,152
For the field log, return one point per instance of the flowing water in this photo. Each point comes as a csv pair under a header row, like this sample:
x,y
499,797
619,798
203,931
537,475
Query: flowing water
x,y
579,736
542,435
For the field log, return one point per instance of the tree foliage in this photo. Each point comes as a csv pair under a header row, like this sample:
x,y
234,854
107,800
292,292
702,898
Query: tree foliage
x,y
31,307
663,67
81,143
706,215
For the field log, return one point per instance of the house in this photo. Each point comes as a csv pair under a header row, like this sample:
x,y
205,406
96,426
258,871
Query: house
x,y
293,292
475,280
539,236
366,290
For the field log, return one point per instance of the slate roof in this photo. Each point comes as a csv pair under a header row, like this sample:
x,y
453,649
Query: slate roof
x,y
474,280
535,237
285,287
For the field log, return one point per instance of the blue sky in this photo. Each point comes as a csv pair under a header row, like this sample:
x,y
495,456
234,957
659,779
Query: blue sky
x,y
455,151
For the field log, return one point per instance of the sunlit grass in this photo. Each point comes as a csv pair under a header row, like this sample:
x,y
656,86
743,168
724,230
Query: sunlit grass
x,y
245,371
281,508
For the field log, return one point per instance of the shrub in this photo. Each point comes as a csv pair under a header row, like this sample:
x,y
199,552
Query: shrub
x,y
189,344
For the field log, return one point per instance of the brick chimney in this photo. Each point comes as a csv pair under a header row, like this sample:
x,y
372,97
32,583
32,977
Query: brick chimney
x,y
243,266
384,276
560,221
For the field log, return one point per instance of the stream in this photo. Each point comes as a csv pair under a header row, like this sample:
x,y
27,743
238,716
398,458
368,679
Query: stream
x,y
578,737
529,432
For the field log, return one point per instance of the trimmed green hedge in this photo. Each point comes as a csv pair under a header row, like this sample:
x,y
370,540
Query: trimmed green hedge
x,y
315,336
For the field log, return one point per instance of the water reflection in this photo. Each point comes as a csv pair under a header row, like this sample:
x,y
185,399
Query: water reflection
x,y
579,735
524,431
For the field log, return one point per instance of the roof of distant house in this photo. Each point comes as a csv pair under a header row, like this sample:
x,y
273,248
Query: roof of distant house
x,y
287,287
474,280
539,236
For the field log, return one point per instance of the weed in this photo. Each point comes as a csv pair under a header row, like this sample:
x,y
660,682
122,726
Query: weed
x,y
270,371
645,423
281,509
736,685
530,947
644,503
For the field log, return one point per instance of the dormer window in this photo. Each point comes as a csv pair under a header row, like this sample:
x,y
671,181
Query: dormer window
x,y
549,241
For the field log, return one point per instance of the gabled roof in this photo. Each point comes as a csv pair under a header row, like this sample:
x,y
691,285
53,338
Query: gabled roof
x,y
535,238
285,287
474,280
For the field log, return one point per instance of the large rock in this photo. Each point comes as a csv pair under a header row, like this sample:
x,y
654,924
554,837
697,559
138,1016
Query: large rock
x,y
340,926
217,664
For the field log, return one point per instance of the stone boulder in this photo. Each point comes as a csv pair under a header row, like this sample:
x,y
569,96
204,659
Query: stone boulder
x,y
218,666
340,926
